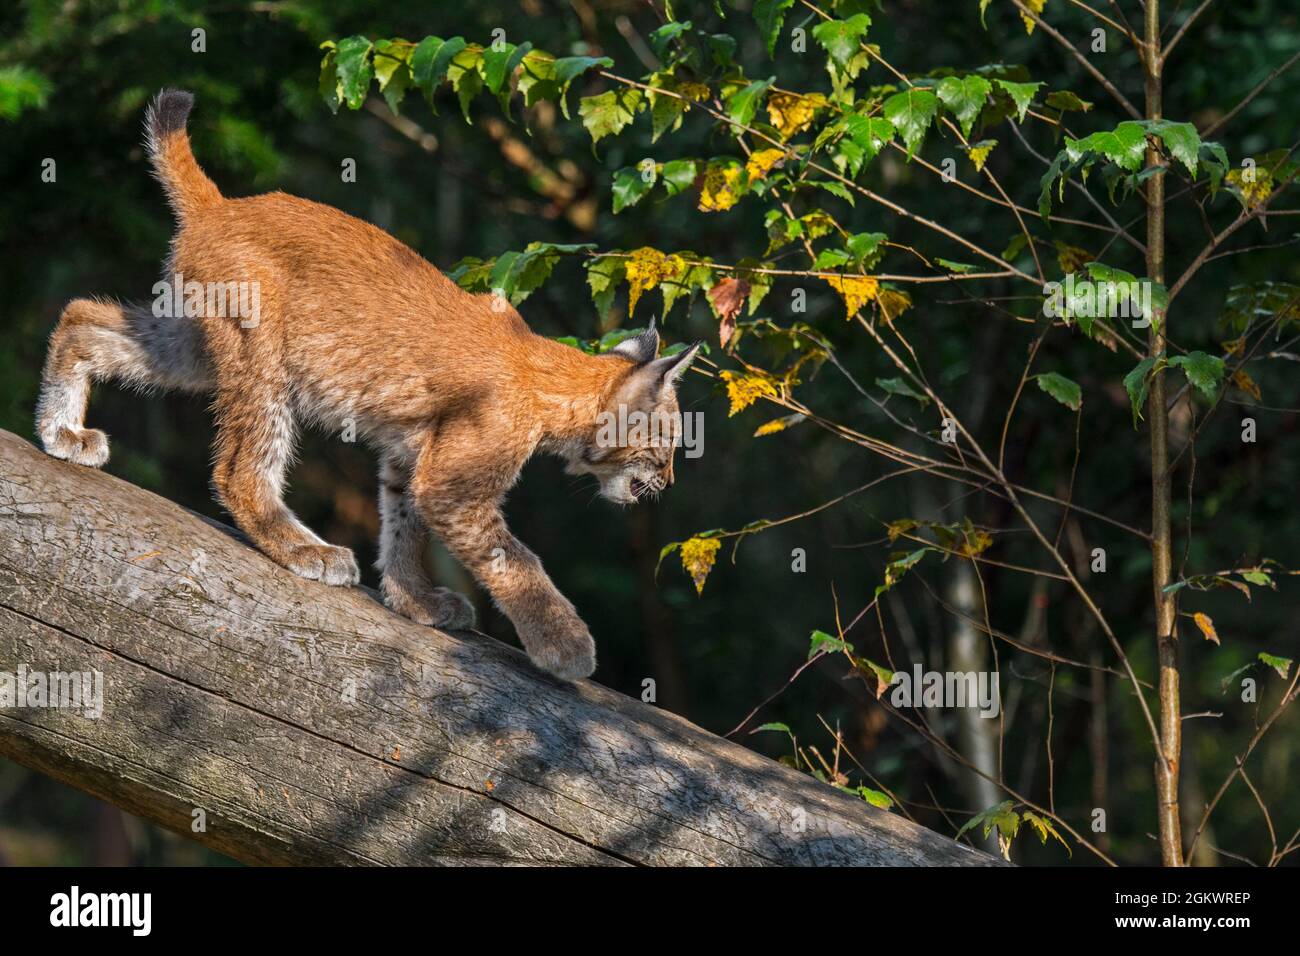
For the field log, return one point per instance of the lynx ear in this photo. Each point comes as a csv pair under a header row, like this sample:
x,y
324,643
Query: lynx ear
x,y
663,373
639,348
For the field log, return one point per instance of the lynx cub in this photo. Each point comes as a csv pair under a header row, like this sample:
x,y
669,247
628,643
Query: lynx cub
x,y
353,326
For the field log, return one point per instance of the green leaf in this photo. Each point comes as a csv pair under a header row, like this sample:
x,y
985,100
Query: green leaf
x,y
870,133
1280,664
604,273
897,386
875,798
1065,101
957,267
392,70
1257,577
1125,145
495,60
1203,371
821,642
567,69
430,61
678,175
1137,383
1003,816
1182,140
1056,171
630,185
1022,94
770,16
23,89
840,38
911,113
352,62
608,113
1062,389
782,728
464,76
964,98
743,104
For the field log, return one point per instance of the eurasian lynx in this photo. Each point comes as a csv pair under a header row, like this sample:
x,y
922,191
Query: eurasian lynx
x,y
352,326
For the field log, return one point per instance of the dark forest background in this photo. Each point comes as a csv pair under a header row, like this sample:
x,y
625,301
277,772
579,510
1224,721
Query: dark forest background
x,y
75,78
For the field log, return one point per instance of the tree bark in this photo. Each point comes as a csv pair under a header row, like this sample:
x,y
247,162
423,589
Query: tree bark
x,y
1166,633
280,721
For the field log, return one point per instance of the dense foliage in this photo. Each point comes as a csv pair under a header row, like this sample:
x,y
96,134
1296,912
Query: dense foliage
x,y
891,222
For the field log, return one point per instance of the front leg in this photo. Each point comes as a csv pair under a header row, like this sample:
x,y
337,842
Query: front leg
x,y
475,532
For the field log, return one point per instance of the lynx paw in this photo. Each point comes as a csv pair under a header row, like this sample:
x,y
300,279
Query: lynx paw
x,y
81,446
432,607
562,646
325,563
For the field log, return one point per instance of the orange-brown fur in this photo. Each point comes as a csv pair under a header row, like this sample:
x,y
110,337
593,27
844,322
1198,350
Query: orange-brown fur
x,y
355,328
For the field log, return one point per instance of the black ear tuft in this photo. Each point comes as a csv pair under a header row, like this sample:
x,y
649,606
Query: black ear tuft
x,y
639,348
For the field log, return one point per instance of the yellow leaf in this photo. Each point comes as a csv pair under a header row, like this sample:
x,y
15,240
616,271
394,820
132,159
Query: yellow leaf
x,y
893,303
1072,258
1037,7
1246,384
761,162
979,154
974,542
1207,626
791,113
697,559
718,190
901,527
646,268
817,224
1255,183
744,389
856,291
771,428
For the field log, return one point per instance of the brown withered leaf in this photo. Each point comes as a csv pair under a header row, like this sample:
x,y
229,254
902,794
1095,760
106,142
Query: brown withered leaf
x,y
727,299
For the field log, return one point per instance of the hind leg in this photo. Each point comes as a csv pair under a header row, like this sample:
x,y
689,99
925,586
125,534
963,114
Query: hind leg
x,y
406,587
99,341
255,440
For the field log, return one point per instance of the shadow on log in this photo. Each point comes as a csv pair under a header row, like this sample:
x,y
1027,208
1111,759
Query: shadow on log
x,y
280,721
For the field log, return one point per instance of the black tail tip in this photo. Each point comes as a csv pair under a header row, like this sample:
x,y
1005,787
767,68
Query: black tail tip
x,y
169,111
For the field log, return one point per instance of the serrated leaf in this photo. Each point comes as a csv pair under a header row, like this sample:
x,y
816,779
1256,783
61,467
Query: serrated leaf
x,y
840,38
608,113
1205,372
821,642
631,184
744,103
1022,95
896,386
1138,383
770,16
1125,145
1280,664
352,62
911,113
1044,828
1062,389
964,98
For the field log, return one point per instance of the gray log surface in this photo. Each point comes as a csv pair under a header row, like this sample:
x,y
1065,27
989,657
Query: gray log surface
x,y
312,726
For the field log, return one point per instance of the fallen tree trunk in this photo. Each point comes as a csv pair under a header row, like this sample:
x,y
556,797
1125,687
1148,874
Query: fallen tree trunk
x,y
280,721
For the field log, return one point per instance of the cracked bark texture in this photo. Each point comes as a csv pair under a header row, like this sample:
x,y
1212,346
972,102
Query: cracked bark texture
x,y
312,726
